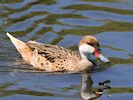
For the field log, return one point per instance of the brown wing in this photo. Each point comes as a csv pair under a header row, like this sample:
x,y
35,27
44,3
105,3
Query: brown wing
x,y
51,52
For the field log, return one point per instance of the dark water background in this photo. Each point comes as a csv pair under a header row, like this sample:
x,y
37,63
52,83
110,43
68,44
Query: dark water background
x,y
64,22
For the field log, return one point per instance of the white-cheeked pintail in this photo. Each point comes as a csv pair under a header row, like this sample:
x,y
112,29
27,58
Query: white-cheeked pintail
x,y
52,58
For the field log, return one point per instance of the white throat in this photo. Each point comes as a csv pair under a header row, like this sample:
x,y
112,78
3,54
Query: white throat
x,y
85,50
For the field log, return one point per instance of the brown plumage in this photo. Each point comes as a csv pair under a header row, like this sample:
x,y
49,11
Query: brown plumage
x,y
51,58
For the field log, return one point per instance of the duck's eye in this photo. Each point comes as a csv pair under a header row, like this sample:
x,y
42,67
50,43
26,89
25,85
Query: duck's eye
x,y
91,44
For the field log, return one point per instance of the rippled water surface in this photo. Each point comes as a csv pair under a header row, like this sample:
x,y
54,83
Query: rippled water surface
x,y
64,22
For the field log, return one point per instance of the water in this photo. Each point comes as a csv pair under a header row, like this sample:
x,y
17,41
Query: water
x,y
60,22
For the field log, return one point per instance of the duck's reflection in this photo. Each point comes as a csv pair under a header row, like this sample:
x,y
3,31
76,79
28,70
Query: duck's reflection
x,y
86,88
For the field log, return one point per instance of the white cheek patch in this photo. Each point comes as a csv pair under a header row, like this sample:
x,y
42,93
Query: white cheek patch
x,y
86,48
91,49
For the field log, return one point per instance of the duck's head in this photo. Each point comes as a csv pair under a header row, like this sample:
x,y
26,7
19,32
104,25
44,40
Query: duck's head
x,y
89,45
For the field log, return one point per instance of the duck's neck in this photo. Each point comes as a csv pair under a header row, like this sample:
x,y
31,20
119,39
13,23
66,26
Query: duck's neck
x,y
84,56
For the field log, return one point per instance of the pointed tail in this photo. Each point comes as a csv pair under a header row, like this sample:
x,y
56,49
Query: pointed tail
x,y
22,47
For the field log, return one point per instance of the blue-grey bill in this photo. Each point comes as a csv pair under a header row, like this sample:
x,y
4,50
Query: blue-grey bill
x,y
104,59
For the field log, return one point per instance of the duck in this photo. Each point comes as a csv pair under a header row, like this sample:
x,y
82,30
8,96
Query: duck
x,y
53,58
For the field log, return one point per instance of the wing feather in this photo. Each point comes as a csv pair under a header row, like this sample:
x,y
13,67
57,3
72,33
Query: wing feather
x,y
50,52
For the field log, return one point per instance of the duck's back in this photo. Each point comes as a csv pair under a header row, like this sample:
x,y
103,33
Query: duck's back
x,y
53,58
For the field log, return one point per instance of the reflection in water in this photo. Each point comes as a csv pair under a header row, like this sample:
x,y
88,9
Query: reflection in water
x,y
86,87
